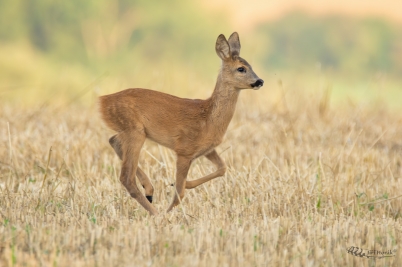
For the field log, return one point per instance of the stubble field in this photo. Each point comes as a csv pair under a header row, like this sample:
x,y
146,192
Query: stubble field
x,y
306,180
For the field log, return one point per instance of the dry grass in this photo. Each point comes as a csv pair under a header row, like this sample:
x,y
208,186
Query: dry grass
x,y
300,177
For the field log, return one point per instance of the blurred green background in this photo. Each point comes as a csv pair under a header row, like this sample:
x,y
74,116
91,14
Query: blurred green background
x,y
71,51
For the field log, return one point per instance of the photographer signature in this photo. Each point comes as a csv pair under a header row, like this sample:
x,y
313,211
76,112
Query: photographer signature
x,y
370,253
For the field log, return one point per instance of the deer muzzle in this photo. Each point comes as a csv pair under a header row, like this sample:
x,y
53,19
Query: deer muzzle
x,y
259,83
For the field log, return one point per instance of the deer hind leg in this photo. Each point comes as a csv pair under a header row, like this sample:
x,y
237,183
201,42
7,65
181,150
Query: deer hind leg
x,y
146,183
131,143
116,144
218,162
183,165
144,180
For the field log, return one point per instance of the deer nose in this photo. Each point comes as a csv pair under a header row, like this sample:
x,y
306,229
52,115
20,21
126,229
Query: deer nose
x,y
258,83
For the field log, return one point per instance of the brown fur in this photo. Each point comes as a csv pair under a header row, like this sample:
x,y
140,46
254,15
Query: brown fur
x,y
190,127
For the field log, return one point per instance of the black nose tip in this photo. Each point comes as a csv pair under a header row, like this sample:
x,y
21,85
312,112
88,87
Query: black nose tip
x,y
259,82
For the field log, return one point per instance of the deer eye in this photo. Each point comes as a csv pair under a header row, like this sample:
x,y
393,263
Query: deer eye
x,y
241,69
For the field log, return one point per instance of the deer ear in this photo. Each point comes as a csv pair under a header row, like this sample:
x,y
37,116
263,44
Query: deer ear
x,y
222,47
234,43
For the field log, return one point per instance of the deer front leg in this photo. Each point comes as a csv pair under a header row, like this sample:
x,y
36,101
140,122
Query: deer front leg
x,y
218,162
131,143
183,165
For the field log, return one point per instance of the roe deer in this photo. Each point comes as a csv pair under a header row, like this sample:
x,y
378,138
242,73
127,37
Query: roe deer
x,y
191,127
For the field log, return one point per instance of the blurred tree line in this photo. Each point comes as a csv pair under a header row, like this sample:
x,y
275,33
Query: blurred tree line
x,y
342,44
92,31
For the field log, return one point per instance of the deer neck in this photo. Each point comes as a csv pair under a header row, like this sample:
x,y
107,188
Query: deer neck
x,y
223,104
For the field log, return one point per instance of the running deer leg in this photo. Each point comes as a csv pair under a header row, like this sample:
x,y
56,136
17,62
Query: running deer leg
x,y
146,183
183,165
218,162
116,144
144,180
131,143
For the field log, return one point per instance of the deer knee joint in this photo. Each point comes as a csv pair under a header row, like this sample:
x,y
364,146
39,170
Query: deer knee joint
x,y
133,194
222,170
179,195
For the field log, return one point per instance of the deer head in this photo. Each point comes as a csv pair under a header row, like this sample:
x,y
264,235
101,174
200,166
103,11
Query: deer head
x,y
235,70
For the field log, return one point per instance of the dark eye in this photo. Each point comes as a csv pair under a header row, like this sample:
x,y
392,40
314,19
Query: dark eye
x,y
241,69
